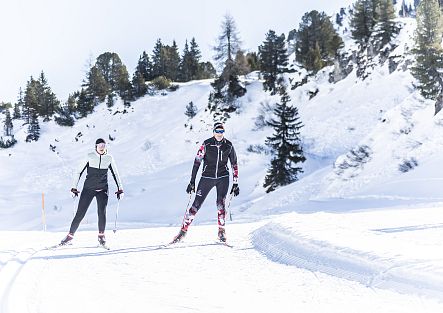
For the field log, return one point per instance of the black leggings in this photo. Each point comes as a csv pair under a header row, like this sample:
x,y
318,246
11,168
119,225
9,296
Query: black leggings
x,y
83,204
204,187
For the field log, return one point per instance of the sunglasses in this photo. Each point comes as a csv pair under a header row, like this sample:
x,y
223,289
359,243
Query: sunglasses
x,y
219,131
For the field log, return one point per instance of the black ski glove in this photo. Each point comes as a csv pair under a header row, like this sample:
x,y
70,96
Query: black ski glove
x,y
191,188
74,192
235,189
119,194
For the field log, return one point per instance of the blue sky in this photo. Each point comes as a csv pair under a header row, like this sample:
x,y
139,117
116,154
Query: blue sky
x,y
60,36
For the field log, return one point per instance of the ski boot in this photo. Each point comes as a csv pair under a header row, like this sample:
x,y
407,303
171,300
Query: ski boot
x,y
221,234
102,239
67,240
179,237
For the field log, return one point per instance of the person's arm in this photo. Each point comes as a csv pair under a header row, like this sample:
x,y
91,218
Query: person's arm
x,y
198,159
234,164
115,175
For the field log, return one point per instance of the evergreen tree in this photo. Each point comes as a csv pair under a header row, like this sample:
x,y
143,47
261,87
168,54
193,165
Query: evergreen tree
x,y
253,61
18,105
97,84
194,62
362,21
172,61
9,126
64,115
158,64
387,26
206,70
85,103
33,127
241,63
144,67
273,60
139,85
428,50
316,34
191,110
285,143
114,72
30,104
186,64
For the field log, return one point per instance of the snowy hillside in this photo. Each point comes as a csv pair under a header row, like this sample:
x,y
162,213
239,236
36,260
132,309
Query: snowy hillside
x,y
363,221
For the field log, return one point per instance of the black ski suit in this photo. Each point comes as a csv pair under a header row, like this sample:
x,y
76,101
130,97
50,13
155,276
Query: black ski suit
x,y
96,185
215,156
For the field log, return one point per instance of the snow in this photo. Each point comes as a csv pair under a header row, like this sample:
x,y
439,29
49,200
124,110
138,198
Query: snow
x,y
363,239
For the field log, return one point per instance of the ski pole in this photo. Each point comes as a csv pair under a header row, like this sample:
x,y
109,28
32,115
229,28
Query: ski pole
x,y
229,206
116,216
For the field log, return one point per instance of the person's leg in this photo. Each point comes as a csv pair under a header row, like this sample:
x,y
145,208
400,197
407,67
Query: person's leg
x,y
86,197
102,202
204,186
222,191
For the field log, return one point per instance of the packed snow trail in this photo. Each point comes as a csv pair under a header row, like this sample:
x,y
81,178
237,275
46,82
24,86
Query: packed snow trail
x,y
197,275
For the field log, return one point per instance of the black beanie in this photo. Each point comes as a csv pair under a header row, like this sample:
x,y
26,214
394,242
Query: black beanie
x,y
100,140
218,125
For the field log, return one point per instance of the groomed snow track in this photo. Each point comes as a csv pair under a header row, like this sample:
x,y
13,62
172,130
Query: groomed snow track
x,y
286,247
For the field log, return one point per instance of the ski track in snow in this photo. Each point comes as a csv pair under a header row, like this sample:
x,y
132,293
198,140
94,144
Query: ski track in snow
x,y
284,246
9,271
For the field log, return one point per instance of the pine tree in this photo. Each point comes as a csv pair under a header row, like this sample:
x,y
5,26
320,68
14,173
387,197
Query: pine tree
x,y
158,67
387,26
18,105
241,63
194,60
139,85
9,126
33,128
97,84
428,50
144,66
186,64
191,110
114,72
286,145
316,30
362,21
273,60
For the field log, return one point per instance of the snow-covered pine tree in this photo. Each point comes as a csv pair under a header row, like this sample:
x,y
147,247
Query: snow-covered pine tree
x,y
273,60
285,143
428,51
191,110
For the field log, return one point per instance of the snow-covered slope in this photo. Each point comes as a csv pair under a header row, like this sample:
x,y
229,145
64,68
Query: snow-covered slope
x,y
372,145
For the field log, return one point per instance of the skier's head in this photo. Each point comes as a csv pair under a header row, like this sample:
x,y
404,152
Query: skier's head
x,y
100,145
219,130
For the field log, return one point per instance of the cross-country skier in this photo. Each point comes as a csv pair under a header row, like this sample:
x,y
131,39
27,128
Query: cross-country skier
x,y
96,165
215,153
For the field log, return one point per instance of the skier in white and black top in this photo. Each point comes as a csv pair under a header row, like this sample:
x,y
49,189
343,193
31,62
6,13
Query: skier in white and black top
x,y
215,153
96,165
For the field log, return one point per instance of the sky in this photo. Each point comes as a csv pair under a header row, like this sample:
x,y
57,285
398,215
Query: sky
x,y
61,37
